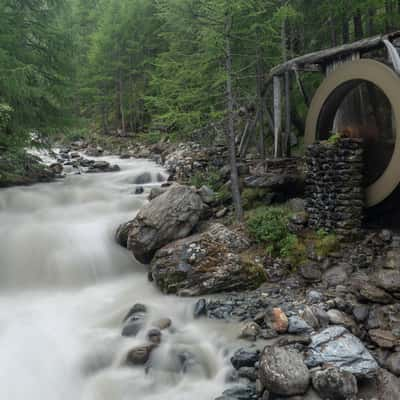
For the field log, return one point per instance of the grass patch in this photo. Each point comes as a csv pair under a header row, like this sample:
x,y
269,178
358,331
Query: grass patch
x,y
269,227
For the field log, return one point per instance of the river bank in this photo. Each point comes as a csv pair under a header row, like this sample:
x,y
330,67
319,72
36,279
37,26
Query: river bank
x,y
334,317
346,298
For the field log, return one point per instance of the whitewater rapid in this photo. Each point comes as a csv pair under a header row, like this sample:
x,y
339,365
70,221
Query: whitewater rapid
x,y
65,287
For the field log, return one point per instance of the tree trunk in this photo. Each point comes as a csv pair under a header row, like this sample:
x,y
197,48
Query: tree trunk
x,y
358,27
231,131
260,84
370,25
121,104
388,15
345,31
332,23
286,139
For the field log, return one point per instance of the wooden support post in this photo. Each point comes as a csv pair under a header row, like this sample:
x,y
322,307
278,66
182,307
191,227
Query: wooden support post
x,y
277,114
287,141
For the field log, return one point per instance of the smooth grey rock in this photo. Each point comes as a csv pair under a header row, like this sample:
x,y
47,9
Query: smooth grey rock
x,y
163,323
245,358
122,234
206,194
337,347
388,385
140,355
250,331
335,384
384,339
393,363
311,272
154,336
388,279
137,308
297,325
337,275
248,373
282,371
313,297
133,325
143,178
337,317
361,312
200,308
170,216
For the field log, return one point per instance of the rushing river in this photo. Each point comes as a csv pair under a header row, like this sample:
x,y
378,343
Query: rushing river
x,y
65,286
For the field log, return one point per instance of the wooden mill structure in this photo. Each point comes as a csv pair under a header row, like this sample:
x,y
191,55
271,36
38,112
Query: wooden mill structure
x,y
374,61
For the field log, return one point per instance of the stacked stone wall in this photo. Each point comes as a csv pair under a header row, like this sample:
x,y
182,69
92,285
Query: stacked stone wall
x,y
334,186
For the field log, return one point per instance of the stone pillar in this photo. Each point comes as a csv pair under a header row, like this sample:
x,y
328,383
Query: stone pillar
x,y
334,186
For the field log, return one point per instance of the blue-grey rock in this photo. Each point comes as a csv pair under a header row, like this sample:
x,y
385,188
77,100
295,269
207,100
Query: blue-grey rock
x,y
337,347
244,358
297,325
200,308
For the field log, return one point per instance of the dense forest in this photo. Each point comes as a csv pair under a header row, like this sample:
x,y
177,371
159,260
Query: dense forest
x,y
158,66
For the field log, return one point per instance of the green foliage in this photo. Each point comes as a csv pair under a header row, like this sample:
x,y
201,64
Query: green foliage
x,y
149,137
269,226
325,243
333,139
253,197
35,54
211,178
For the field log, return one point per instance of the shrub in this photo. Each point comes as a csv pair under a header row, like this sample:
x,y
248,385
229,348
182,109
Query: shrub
x,y
253,197
269,226
211,178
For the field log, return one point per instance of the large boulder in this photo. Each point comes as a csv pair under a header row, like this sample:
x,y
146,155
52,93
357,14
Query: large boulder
x,y
170,216
206,263
333,383
122,234
283,372
337,347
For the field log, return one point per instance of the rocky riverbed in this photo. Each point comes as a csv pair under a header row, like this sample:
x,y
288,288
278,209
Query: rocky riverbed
x,y
328,329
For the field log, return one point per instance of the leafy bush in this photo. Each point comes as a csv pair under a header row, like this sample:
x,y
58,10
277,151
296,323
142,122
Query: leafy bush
x,y
150,137
211,178
269,226
253,197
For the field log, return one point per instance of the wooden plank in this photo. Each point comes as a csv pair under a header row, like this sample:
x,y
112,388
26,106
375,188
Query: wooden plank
x,y
277,114
288,119
327,55
393,55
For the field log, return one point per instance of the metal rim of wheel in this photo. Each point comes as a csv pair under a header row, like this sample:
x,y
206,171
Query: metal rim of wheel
x,y
339,83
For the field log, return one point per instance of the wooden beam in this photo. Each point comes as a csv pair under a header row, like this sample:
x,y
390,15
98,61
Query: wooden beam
x,y
288,120
308,68
277,114
327,55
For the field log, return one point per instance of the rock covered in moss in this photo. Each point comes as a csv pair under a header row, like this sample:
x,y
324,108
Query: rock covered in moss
x,y
209,262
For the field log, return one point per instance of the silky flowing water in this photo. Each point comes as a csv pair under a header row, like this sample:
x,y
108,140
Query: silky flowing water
x,y
65,287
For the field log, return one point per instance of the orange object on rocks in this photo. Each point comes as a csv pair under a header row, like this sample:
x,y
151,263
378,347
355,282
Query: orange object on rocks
x,y
280,320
